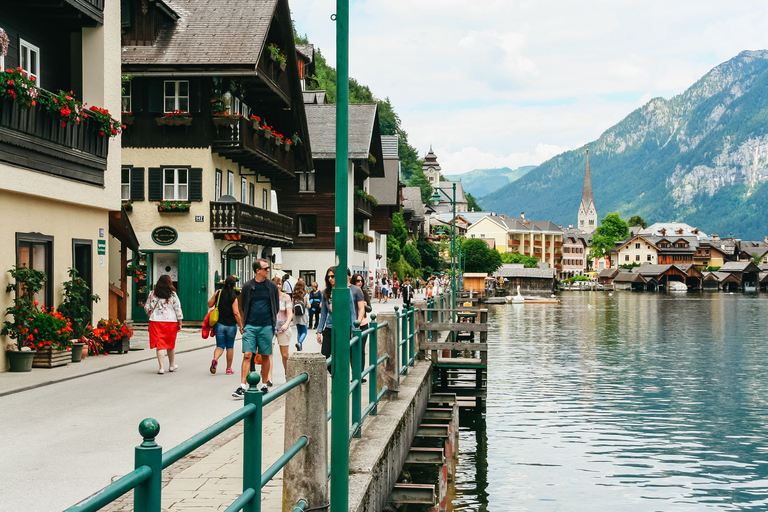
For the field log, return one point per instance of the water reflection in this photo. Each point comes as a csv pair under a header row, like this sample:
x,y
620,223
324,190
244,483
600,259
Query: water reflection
x,y
635,402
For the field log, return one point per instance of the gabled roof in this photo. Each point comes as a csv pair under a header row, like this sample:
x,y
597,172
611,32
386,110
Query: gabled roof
x,y
608,273
620,245
749,247
307,51
493,218
508,270
386,190
412,202
363,124
654,270
629,277
722,276
672,228
199,36
739,267
473,217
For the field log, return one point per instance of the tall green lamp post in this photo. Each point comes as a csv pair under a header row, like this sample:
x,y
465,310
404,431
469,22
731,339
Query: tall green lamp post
x,y
436,197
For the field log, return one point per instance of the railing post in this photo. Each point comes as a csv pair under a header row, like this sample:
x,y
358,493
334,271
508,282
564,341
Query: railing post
x,y
398,337
356,361
252,444
305,476
387,344
421,319
148,453
373,351
412,335
404,337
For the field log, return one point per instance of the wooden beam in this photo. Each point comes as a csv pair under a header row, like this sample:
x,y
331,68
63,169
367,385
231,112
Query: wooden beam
x,y
453,326
448,345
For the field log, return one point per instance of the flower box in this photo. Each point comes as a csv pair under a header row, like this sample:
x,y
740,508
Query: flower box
x,y
226,120
174,121
127,120
173,207
48,358
119,346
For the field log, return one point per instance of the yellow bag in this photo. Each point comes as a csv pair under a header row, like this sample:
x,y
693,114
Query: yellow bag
x,y
213,317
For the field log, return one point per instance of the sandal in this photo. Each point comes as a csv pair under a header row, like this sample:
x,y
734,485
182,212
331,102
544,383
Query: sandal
x,y
230,371
214,364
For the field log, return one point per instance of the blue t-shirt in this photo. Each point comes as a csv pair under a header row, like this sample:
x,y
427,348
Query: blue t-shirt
x,y
259,312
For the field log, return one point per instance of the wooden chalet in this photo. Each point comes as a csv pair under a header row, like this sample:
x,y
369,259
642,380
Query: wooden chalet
x,y
747,273
210,108
658,276
673,250
386,192
414,213
606,275
629,281
528,279
311,199
749,250
724,281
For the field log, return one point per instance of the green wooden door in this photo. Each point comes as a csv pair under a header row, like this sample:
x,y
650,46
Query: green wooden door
x,y
193,285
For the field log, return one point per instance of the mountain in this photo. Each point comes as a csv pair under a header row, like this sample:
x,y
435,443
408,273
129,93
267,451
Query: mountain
x,y
700,158
483,181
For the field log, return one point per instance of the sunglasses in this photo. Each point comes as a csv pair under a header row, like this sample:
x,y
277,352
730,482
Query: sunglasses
x,y
359,281
332,276
264,268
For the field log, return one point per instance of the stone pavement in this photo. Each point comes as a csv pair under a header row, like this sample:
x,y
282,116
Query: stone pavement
x,y
211,477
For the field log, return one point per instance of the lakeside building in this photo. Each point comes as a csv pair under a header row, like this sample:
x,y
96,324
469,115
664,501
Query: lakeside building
x,y
60,192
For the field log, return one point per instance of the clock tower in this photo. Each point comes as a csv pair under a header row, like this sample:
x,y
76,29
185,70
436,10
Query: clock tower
x,y
587,211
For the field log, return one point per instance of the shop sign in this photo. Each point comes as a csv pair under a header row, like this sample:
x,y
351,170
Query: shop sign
x,y
102,246
164,235
237,252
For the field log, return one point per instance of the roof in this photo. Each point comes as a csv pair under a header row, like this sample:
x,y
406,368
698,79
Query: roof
x,y
321,120
508,270
586,193
652,270
386,190
739,266
473,217
307,51
196,37
672,228
620,245
523,225
628,277
749,247
609,272
412,202
722,276
475,274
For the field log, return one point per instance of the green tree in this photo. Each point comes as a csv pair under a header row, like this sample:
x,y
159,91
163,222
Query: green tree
x,y
394,253
478,257
637,220
611,230
472,203
399,233
411,255
513,257
419,179
756,259
430,257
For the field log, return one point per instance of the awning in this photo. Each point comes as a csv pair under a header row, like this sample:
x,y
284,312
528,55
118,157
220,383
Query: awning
x,y
120,228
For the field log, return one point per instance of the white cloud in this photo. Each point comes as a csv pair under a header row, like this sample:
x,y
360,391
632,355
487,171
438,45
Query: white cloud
x,y
469,158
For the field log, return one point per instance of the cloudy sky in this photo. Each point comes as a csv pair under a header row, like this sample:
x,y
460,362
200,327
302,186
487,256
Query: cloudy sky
x,y
513,82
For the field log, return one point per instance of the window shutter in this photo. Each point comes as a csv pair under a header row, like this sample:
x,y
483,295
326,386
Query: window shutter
x,y
137,94
156,95
137,184
125,13
155,185
196,184
194,95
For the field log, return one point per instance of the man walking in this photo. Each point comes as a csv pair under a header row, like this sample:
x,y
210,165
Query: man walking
x,y
259,304
288,284
407,290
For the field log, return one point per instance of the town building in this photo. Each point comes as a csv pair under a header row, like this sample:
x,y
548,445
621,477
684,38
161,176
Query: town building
x,y
587,217
386,192
431,168
60,189
217,131
414,213
575,253
635,250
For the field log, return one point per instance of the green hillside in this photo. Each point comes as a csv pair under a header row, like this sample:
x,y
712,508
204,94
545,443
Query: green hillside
x,y
480,182
700,157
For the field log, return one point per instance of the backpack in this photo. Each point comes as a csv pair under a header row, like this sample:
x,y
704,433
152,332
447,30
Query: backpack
x,y
299,308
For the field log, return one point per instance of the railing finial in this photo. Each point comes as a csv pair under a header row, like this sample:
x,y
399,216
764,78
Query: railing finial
x,y
149,428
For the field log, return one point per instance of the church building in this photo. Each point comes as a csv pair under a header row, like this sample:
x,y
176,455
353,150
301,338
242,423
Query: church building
x,y
587,221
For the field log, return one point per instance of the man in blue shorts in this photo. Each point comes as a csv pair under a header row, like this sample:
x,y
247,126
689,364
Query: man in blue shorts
x,y
259,304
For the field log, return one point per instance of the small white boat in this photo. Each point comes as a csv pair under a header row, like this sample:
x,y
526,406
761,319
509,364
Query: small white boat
x,y
530,299
677,286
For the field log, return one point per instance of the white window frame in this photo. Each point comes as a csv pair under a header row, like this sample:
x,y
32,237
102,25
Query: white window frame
x,y
264,199
2,57
306,181
180,190
231,183
125,188
243,190
302,217
25,51
219,178
176,96
127,96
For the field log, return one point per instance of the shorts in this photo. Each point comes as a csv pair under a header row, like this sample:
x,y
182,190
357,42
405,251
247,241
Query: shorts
x,y
257,336
284,338
225,336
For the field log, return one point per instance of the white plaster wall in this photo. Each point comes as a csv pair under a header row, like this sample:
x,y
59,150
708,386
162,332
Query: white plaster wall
x,y
298,260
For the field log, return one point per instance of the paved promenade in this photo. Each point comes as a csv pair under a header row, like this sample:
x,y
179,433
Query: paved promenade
x,y
211,477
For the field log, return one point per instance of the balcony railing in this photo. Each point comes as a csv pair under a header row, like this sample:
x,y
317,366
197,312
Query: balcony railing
x,y
360,245
249,146
240,221
363,206
33,138
275,75
514,241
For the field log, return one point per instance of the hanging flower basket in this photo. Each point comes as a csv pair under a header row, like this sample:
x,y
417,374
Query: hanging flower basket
x,y
172,206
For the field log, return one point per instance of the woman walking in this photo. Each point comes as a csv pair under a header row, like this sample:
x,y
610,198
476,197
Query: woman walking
x,y
164,311
315,299
282,327
227,301
300,313
325,324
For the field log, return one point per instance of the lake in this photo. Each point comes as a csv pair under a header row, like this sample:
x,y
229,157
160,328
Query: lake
x,y
622,402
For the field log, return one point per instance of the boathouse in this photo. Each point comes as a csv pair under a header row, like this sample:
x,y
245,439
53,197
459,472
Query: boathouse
x,y
528,279
746,271
629,281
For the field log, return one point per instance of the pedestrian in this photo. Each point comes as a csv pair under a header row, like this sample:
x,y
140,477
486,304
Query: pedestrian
x,y
300,313
396,288
227,301
407,291
428,291
325,325
315,299
417,285
164,311
384,293
362,302
288,284
259,303
283,328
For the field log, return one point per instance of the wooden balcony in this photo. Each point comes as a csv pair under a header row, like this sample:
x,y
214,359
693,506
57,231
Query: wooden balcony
x,y
537,243
363,206
360,245
34,139
514,241
275,76
246,145
253,225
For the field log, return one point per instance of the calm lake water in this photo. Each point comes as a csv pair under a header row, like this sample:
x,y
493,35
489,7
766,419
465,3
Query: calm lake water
x,y
630,402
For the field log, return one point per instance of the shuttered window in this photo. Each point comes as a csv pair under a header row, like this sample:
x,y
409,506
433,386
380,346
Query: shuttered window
x,y
174,185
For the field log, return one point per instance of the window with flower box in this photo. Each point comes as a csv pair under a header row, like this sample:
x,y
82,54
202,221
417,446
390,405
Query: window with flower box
x,y
175,184
125,103
35,251
176,95
29,59
125,184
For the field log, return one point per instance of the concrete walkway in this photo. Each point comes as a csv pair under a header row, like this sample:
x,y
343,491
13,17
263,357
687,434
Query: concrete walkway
x,y
211,477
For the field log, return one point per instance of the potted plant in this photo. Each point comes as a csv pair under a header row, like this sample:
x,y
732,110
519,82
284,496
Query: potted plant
x,y
175,118
173,206
94,341
77,307
256,122
18,87
64,106
51,333
27,282
108,125
226,119
116,335
128,206
126,118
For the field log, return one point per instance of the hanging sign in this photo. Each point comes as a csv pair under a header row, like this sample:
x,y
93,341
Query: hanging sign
x,y
164,235
237,252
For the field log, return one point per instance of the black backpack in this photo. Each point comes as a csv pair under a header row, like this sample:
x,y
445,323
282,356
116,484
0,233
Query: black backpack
x,y
299,308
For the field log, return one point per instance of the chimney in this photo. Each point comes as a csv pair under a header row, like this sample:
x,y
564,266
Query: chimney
x,y
765,239
560,226
522,215
570,226
715,237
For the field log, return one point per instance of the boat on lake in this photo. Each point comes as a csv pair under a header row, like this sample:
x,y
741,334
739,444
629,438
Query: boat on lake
x,y
530,299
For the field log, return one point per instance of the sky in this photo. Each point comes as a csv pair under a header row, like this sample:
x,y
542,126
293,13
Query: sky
x,y
506,83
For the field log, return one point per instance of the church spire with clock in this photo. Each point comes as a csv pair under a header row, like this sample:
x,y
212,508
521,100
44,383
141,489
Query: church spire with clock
x,y
587,211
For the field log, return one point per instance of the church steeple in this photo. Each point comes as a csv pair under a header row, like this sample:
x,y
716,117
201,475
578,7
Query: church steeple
x,y
587,210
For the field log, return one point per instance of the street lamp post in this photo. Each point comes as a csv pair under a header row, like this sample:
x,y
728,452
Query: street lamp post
x,y
436,197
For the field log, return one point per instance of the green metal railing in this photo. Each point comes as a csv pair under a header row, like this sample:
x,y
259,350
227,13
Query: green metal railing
x,y
406,338
150,461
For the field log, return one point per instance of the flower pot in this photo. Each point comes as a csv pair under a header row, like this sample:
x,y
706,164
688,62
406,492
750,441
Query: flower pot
x,y
287,147
127,120
282,66
49,358
225,121
77,352
266,133
121,346
20,361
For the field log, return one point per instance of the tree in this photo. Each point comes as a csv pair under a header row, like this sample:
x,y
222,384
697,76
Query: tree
x,y
472,203
513,257
411,255
756,258
430,257
478,257
637,220
419,179
399,233
394,253
611,230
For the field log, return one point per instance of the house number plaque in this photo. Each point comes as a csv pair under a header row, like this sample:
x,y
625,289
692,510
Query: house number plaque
x,y
164,235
